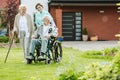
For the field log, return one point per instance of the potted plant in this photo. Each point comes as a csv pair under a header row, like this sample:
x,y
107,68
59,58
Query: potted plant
x,y
94,38
84,34
60,38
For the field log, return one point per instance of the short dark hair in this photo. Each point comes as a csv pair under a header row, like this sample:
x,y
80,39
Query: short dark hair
x,y
38,4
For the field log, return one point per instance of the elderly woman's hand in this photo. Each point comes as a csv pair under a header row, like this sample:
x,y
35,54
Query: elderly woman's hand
x,y
14,33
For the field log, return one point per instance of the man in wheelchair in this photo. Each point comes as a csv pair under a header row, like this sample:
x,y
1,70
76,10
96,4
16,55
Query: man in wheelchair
x,y
41,37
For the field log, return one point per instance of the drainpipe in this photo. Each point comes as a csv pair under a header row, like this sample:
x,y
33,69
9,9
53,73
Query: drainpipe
x,y
19,1
49,1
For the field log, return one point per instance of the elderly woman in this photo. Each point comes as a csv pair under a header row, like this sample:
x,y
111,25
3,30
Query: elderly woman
x,y
23,26
40,14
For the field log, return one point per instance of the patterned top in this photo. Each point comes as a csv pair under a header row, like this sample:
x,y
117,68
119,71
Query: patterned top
x,y
51,31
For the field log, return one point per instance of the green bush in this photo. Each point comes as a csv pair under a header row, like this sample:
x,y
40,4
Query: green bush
x,y
100,71
97,71
116,60
84,32
110,51
17,40
4,39
104,70
107,53
68,75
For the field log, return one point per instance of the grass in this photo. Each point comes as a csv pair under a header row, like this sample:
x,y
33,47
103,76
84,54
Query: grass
x,y
16,69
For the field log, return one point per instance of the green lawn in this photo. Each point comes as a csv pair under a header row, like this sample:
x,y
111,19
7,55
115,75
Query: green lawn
x,y
16,69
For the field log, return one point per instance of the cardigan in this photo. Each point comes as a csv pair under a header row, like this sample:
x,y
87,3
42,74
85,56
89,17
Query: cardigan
x,y
29,24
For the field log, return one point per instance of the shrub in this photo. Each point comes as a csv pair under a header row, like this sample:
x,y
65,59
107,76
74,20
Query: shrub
x,y
85,31
97,71
4,39
110,51
69,75
116,60
100,71
107,53
17,40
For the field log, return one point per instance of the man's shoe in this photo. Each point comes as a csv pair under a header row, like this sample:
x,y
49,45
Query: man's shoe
x,y
30,57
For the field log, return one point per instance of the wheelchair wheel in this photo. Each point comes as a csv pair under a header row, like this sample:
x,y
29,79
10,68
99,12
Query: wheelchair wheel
x,y
57,52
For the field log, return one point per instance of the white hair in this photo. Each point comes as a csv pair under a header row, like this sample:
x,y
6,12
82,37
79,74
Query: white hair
x,y
22,5
48,17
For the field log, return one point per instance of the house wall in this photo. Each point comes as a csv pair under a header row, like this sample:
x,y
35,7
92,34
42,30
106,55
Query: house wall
x,y
104,25
3,3
57,16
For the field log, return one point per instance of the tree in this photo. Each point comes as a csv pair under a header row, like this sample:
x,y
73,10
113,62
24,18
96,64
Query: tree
x,y
12,10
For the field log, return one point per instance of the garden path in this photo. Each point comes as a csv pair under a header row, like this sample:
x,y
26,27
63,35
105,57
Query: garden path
x,y
90,45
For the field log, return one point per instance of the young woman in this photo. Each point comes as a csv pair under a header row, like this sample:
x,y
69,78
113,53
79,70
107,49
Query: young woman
x,y
40,14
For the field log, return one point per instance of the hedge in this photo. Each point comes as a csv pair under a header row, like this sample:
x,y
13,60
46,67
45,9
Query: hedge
x,y
4,39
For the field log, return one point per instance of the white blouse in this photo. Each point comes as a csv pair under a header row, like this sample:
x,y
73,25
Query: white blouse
x,y
23,25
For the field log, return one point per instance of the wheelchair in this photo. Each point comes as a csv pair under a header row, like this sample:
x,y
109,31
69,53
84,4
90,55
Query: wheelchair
x,y
53,52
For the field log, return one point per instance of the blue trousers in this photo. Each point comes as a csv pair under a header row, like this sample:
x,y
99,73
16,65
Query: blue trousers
x,y
24,43
38,42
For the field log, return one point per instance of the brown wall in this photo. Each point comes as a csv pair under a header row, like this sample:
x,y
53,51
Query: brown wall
x,y
3,3
57,15
105,25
